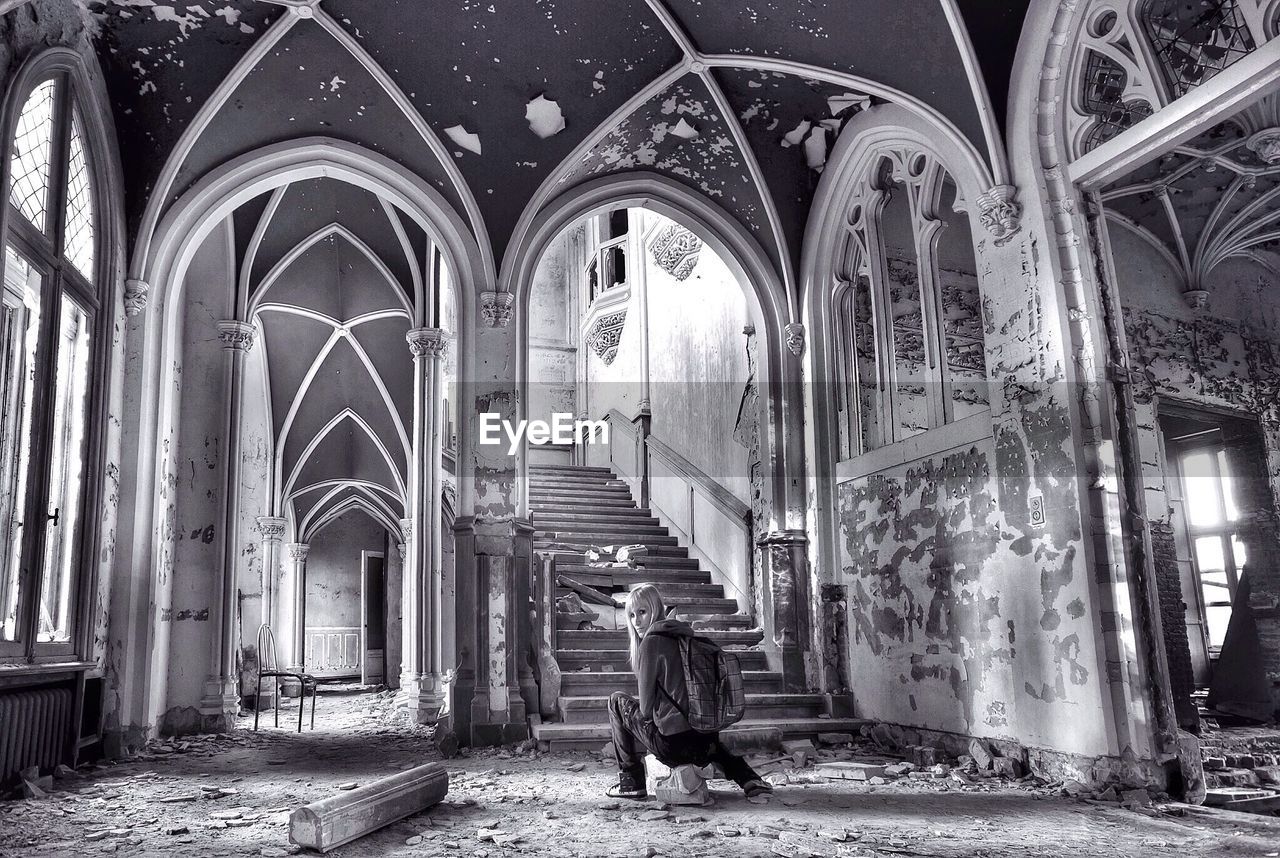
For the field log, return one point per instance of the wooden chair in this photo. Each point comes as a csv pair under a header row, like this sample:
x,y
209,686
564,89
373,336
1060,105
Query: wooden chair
x,y
268,667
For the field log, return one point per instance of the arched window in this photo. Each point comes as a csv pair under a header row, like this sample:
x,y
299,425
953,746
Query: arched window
x,y
1195,40
49,350
909,335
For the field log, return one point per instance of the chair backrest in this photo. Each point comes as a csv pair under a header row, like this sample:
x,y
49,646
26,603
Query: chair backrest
x,y
266,649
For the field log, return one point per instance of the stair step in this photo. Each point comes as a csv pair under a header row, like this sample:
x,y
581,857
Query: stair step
x,y
608,518
568,525
658,562
569,469
592,737
671,591
596,683
717,622
617,639
606,579
574,480
577,659
589,512
609,537
781,707
568,491
577,502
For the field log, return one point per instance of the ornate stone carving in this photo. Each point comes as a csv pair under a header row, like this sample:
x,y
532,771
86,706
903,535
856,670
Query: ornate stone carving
x,y
135,296
496,308
236,335
1001,213
1197,299
406,529
605,334
1266,145
675,250
272,527
795,338
298,551
427,342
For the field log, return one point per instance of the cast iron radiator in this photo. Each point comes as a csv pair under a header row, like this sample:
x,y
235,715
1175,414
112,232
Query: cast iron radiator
x,y
34,725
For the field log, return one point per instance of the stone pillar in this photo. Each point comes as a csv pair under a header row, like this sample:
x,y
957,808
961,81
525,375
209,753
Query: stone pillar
x,y
493,596
291,637
220,703
272,529
786,563
421,673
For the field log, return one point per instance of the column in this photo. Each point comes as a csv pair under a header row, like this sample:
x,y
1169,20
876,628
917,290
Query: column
x,y
421,673
221,703
786,565
272,529
291,637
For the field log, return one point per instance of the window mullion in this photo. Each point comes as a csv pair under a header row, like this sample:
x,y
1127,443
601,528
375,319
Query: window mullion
x,y
58,168
882,320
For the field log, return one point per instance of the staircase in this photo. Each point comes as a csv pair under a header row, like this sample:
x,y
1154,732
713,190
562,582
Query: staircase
x,y
582,506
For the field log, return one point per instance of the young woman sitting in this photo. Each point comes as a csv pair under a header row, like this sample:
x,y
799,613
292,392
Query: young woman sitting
x,y
655,723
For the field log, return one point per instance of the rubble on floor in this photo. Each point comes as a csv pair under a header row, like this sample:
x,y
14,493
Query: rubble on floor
x,y
1242,769
232,796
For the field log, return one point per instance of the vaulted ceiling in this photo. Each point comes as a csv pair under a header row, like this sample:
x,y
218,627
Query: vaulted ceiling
x,y
328,272
458,91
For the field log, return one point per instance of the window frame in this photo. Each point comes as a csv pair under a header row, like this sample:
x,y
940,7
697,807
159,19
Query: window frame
x,y
76,95
921,177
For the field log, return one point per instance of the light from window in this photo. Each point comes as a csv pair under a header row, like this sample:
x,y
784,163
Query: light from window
x,y
66,476
23,286
1204,507
79,220
32,155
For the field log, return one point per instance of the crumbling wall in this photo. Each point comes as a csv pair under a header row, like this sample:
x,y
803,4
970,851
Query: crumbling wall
x,y
1221,357
191,544
553,354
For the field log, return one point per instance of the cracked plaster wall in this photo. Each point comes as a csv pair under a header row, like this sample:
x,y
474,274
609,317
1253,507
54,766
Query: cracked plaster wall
x,y
964,617
191,540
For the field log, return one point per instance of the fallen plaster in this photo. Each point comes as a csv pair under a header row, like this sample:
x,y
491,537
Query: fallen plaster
x,y
544,116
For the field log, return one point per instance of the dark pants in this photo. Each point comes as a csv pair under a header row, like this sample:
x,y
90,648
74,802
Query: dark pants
x,y
634,735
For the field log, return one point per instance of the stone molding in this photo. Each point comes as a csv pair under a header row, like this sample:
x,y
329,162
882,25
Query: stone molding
x,y
298,551
675,250
427,342
496,308
135,296
1000,213
795,338
272,527
605,335
236,335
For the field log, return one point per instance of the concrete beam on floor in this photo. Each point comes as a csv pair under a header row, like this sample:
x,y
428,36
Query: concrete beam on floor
x,y
326,824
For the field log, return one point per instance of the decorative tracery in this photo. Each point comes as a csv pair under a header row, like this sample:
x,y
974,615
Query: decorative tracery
x,y
1133,57
32,155
909,344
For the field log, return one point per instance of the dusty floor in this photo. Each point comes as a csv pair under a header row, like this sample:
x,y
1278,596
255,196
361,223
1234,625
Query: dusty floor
x,y
223,796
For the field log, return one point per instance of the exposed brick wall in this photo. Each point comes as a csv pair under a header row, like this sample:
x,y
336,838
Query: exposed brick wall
x,y
1173,612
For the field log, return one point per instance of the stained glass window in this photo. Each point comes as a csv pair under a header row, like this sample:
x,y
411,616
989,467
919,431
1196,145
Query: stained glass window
x,y
32,155
1104,85
1195,39
79,225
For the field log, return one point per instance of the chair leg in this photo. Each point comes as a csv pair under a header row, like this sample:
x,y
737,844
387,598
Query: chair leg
x,y
314,689
275,703
302,704
257,702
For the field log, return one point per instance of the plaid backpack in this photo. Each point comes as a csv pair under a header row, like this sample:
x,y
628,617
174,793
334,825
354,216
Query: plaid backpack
x,y
713,682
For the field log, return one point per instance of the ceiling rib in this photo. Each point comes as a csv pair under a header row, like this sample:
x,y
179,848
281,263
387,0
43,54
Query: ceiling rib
x,y
335,228
163,189
415,270
428,135
705,72
255,243
354,417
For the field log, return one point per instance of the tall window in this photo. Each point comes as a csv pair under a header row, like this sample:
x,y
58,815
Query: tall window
x,y
607,267
908,311
48,342
1213,520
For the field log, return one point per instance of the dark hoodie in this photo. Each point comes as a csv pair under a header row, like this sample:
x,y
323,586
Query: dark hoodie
x,y
661,676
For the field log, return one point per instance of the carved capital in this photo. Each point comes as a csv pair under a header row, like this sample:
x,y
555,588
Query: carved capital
x,y
135,296
1197,299
272,527
496,308
298,551
795,338
427,342
406,529
1266,145
1001,213
236,335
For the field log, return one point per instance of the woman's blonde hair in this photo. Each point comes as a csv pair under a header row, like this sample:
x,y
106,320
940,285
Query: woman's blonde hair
x,y
645,596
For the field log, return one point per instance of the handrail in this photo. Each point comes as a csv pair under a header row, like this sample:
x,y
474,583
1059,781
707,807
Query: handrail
x,y
718,494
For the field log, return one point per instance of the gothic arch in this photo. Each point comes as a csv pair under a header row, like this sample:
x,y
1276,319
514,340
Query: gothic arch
x,y
780,371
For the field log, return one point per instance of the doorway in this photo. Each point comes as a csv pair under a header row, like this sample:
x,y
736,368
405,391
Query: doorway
x,y
373,617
